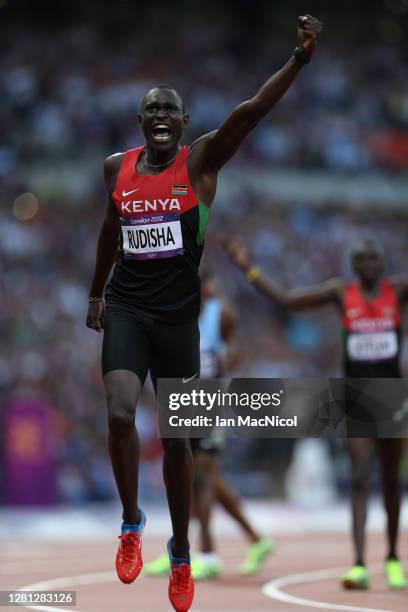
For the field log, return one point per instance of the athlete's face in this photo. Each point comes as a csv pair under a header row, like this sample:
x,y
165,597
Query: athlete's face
x,y
162,118
367,263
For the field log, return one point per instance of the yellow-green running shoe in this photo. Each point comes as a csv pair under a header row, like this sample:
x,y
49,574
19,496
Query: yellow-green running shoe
x,y
394,572
255,554
356,578
202,569
158,567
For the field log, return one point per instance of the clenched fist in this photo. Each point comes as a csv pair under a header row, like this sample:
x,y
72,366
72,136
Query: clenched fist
x,y
94,317
308,32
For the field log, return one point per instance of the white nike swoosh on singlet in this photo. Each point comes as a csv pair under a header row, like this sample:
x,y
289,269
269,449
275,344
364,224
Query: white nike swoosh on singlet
x,y
126,193
186,380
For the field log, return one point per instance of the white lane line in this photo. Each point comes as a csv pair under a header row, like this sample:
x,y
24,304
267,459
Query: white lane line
x,y
273,590
16,566
64,583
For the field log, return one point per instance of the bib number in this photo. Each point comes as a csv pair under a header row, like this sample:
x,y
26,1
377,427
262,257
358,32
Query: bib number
x,y
152,236
372,347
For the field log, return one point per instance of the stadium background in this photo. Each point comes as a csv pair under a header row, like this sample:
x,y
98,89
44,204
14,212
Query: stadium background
x,y
327,167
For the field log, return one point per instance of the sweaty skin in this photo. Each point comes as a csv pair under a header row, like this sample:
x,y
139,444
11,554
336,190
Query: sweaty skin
x,y
163,106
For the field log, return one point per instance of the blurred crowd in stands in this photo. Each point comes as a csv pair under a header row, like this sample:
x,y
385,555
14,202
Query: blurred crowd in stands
x,y
74,91
69,98
46,267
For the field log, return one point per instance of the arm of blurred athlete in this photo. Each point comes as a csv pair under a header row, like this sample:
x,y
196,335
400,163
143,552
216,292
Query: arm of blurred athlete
x,y
229,358
329,292
107,246
212,151
401,285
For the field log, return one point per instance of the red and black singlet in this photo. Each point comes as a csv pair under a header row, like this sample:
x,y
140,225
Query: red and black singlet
x,y
161,240
372,332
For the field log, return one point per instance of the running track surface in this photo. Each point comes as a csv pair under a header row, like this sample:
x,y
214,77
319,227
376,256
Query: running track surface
x,y
301,575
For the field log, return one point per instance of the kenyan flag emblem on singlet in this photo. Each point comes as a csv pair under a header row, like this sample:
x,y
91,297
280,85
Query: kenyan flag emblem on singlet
x,y
179,190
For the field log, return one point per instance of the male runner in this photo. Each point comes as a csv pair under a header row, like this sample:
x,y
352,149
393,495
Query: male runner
x,y
158,204
218,353
371,313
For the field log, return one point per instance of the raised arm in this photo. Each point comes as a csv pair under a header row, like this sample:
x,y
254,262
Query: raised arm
x,y
329,292
106,249
219,146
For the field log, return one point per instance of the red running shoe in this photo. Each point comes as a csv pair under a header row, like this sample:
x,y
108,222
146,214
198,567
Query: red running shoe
x,y
129,556
181,587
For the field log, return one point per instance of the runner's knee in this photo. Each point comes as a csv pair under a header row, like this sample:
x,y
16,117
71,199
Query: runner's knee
x,y
121,415
391,484
360,481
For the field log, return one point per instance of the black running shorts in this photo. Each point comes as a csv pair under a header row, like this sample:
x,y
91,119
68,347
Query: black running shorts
x,y
137,343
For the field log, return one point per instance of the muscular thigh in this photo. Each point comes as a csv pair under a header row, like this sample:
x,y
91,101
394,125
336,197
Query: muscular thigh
x,y
175,351
126,344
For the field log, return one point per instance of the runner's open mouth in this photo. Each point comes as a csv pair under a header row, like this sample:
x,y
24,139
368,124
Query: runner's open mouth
x,y
162,132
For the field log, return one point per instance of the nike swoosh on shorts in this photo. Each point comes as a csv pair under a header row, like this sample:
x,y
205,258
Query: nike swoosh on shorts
x,y
186,380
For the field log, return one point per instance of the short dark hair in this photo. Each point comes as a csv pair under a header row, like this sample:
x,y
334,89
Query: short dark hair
x,y
367,243
163,86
